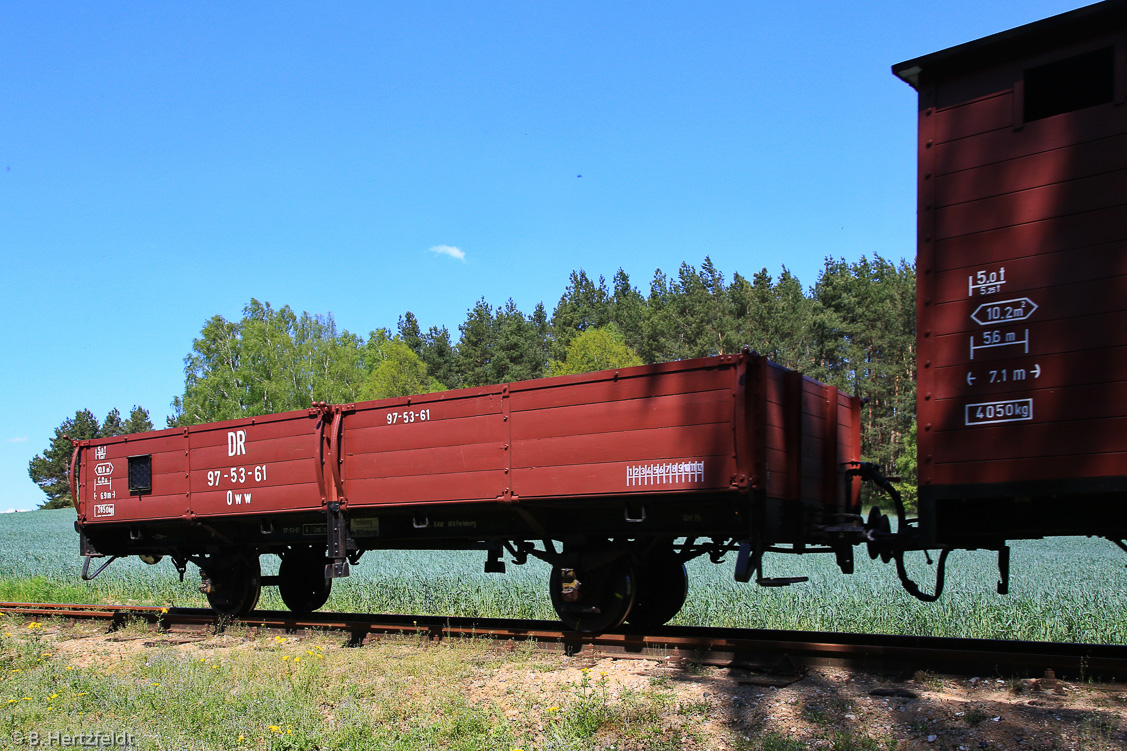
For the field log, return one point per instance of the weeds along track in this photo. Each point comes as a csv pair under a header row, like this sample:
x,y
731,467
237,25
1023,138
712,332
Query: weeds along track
x,y
780,653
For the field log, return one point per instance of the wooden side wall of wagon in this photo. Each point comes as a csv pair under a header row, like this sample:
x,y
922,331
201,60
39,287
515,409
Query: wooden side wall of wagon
x,y
615,478
1022,281
133,490
695,448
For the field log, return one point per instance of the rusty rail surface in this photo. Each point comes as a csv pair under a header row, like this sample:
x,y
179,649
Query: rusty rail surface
x,y
774,651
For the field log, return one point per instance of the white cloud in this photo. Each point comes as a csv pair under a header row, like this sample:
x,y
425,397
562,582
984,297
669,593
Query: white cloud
x,y
449,250
19,439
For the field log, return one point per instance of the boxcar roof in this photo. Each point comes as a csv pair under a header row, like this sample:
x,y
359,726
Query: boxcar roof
x,y
1056,31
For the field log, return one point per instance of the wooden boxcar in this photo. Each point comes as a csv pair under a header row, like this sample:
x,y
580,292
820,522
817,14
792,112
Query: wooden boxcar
x,y
1022,281
615,478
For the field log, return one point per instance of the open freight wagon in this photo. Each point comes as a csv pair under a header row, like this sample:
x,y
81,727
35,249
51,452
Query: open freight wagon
x,y
614,478
617,478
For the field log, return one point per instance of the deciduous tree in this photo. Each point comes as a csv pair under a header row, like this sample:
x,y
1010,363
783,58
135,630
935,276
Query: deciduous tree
x,y
400,372
595,349
269,361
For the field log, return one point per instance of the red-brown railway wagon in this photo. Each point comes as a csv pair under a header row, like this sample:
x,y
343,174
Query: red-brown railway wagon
x,y
722,452
621,476
1022,281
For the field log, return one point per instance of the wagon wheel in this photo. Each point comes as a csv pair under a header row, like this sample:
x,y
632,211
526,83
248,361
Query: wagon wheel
x,y
232,585
663,584
301,580
602,595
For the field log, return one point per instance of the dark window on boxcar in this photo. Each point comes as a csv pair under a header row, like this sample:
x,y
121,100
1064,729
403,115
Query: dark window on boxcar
x,y
1070,84
140,473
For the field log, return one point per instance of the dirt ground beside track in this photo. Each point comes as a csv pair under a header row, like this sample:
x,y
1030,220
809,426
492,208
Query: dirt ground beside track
x,y
924,711
739,708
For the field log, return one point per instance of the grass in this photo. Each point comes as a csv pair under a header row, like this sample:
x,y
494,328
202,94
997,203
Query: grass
x,y
1066,589
147,691
311,693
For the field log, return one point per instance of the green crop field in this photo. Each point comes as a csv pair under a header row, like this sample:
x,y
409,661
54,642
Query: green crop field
x,y
1068,589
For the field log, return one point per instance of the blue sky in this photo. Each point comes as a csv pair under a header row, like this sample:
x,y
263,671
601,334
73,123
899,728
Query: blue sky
x,y
161,163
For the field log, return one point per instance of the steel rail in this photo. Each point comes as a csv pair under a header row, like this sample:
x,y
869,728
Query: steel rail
x,y
775,651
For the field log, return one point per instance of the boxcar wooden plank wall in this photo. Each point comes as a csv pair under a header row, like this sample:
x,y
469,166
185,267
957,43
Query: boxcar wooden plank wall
x,y
1022,260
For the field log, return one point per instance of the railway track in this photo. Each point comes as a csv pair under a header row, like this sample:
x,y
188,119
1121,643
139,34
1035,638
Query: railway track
x,y
781,653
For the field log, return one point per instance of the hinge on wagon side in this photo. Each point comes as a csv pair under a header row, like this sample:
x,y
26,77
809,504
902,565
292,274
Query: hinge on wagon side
x,y
339,542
